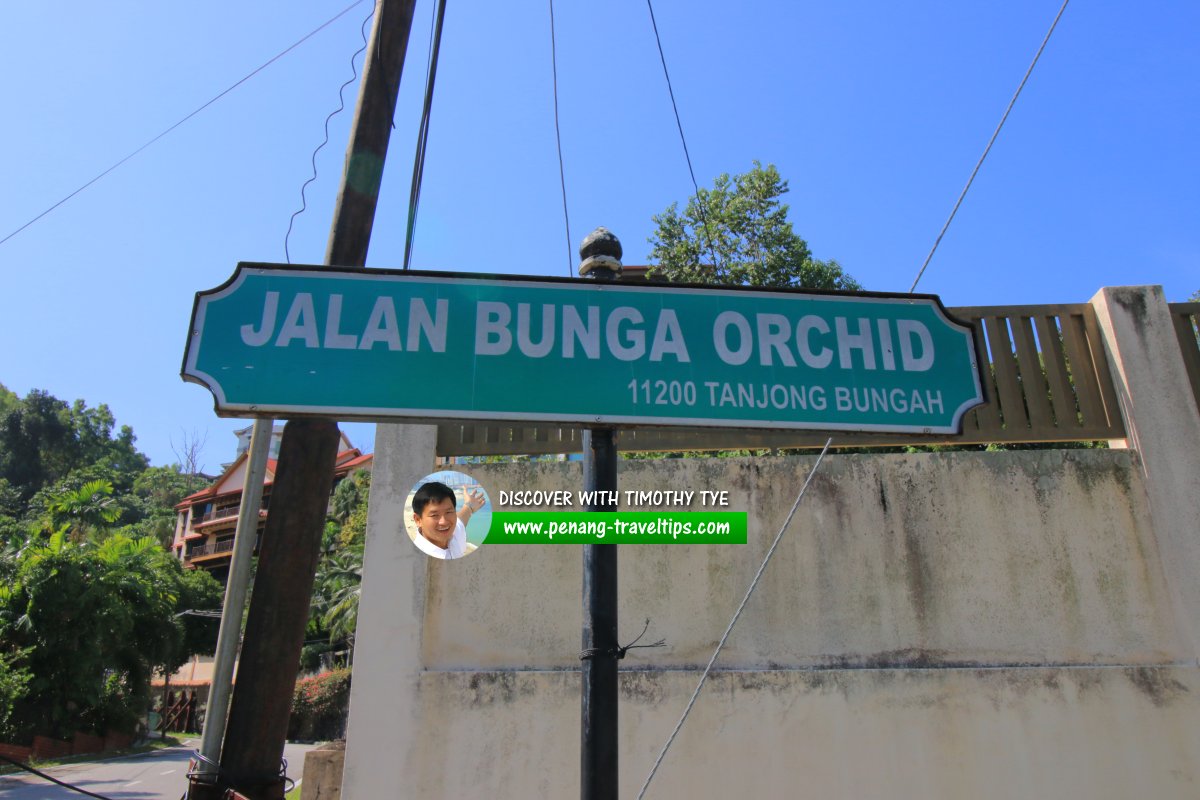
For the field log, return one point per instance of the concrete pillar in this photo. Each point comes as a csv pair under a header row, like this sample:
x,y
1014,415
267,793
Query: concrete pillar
x,y
1163,426
382,730
323,770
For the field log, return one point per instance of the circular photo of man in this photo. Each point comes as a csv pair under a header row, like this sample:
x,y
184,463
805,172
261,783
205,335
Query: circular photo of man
x,y
447,514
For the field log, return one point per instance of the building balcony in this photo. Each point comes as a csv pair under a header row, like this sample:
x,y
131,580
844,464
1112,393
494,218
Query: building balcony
x,y
221,518
210,550
215,550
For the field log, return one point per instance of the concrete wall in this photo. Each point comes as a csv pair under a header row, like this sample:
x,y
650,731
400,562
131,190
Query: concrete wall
x,y
994,625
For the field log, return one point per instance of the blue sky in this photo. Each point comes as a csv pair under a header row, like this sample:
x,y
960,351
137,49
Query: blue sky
x,y
874,111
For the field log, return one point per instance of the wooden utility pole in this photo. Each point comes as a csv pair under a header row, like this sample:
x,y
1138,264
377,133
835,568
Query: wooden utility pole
x,y
601,254
287,562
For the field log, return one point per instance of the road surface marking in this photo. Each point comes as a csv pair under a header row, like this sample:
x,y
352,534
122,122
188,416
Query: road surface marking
x,y
168,772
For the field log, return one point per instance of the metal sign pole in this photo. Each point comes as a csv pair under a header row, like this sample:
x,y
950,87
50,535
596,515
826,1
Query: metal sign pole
x,y
601,253
236,588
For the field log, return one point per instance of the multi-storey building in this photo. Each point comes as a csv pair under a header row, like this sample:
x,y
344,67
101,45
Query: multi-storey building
x,y
207,519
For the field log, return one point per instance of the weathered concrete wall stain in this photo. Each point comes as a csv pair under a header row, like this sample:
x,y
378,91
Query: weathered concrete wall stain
x,y
989,558
950,625
912,593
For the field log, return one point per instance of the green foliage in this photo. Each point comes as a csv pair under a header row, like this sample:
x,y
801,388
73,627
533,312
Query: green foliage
x,y
155,493
340,580
89,597
198,591
8,400
88,508
163,487
350,495
319,706
334,611
43,441
70,610
353,532
13,682
741,225
10,500
89,622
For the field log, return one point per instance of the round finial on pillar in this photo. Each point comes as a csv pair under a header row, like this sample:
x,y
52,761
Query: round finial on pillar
x,y
601,253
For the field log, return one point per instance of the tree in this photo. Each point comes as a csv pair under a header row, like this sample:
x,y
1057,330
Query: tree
x,y
90,601
350,494
87,509
88,623
188,452
737,234
44,441
340,584
8,400
155,493
36,441
336,591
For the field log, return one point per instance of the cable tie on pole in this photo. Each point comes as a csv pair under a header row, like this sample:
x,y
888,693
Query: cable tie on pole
x,y
619,652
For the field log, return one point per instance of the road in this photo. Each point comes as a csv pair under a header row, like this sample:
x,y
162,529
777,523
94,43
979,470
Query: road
x,y
160,775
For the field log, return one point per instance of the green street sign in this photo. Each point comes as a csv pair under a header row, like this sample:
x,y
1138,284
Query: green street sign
x,y
382,345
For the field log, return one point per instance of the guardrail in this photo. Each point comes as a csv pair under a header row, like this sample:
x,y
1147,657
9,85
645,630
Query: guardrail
x,y
211,549
218,548
220,513
1046,380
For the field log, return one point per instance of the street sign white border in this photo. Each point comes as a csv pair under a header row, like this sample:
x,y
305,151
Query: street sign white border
x,y
193,374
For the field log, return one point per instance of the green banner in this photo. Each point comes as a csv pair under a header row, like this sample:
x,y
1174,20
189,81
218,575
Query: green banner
x,y
617,527
370,344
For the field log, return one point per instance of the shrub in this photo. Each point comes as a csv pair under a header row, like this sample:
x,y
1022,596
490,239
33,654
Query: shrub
x,y
320,705
13,681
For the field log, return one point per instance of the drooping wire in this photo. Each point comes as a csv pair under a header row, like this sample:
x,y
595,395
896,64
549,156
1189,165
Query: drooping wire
x,y
987,149
679,124
562,175
247,77
736,615
414,194
287,253
52,779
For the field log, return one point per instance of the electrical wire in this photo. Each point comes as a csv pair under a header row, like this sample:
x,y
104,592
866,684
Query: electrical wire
x,y
988,149
683,139
52,779
250,75
736,615
562,175
287,253
414,194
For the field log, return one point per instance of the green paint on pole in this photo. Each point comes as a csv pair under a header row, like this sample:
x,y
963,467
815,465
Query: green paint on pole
x,y
365,173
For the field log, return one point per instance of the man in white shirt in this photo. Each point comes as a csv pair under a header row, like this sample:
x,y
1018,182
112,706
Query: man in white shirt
x,y
441,527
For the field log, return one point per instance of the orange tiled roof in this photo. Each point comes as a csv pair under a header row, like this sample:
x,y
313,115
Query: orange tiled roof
x,y
346,460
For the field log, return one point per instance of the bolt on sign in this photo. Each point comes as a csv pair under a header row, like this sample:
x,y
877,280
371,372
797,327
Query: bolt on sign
x,y
379,345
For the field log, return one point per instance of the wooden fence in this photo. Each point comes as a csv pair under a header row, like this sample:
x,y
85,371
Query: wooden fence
x,y
1047,380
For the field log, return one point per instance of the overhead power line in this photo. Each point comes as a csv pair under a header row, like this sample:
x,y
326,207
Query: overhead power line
x,y
245,78
987,149
287,253
736,615
418,176
679,124
562,175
